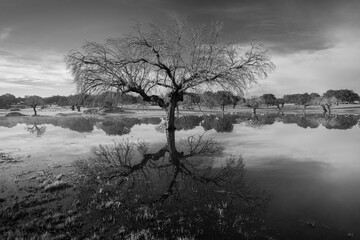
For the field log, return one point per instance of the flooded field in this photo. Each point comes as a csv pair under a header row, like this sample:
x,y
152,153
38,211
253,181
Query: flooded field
x,y
284,176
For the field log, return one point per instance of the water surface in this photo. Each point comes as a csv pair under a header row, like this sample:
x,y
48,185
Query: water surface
x,y
308,163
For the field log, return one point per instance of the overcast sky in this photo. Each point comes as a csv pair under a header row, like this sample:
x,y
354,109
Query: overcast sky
x,y
315,44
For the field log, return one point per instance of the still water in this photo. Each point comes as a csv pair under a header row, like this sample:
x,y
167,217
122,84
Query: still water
x,y
309,164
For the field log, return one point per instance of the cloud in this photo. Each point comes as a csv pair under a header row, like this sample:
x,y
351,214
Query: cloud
x,y
283,26
4,33
34,70
316,71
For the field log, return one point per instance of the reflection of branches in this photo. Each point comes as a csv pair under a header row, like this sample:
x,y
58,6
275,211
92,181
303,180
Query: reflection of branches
x,y
160,190
192,165
35,129
198,146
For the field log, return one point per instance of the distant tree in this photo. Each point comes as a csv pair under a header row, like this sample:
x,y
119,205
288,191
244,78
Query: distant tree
x,y
192,99
343,95
279,103
7,100
314,95
109,100
56,100
326,103
223,98
253,103
304,100
291,98
78,100
209,99
307,99
235,100
33,102
269,99
172,58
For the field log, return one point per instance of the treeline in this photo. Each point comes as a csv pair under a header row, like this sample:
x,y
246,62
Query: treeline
x,y
111,100
343,96
75,101
219,99
326,101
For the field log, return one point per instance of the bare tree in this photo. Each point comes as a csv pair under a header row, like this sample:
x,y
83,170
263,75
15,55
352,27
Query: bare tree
x,y
174,58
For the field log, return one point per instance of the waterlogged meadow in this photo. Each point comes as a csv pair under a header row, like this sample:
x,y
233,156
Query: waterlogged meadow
x,y
227,176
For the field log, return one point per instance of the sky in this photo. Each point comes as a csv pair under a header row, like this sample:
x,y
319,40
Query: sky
x,y
313,43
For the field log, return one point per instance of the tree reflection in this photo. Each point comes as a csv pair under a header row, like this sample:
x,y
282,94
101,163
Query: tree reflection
x,y
220,123
77,124
340,121
174,192
327,120
187,122
118,127
36,129
304,121
258,121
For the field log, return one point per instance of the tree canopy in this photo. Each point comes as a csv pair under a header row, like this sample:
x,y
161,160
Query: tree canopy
x,y
7,100
33,102
269,99
172,57
343,95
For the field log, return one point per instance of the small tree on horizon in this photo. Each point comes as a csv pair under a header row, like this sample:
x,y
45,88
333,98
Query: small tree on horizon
x,y
253,103
269,99
326,103
33,102
223,98
306,99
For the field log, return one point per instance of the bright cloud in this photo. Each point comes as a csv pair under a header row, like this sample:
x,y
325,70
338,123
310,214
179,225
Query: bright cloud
x,y
318,71
34,70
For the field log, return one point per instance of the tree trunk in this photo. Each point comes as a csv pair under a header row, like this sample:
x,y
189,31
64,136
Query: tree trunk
x,y
35,113
73,107
324,108
170,115
78,108
254,111
223,107
170,135
329,108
